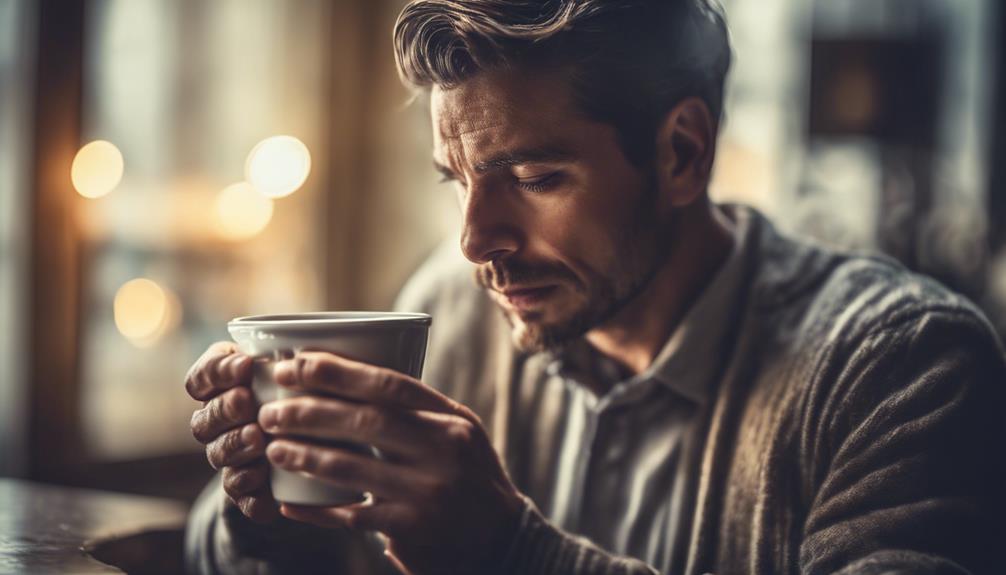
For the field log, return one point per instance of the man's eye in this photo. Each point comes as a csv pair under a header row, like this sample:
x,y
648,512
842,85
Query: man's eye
x,y
539,184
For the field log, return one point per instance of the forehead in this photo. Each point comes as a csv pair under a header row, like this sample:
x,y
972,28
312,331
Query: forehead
x,y
493,110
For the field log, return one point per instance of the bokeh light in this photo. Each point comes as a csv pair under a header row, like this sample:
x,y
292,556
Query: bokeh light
x,y
97,169
242,212
144,311
278,166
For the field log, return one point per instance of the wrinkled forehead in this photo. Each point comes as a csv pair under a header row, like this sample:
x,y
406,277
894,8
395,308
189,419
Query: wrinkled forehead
x,y
470,107
491,108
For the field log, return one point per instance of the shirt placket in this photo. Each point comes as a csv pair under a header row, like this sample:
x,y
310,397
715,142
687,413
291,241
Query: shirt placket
x,y
603,445
592,414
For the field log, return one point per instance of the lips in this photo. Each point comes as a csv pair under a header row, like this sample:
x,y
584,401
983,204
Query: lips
x,y
526,298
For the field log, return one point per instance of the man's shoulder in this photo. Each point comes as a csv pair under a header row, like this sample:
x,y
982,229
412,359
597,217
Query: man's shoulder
x,y
837,294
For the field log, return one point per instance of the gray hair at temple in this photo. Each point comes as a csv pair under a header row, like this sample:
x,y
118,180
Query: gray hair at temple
x,y
629,62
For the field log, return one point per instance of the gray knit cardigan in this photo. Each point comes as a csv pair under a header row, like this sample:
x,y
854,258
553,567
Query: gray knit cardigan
x,y
859,427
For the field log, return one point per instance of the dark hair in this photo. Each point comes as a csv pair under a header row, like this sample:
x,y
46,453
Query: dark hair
x,y
628,61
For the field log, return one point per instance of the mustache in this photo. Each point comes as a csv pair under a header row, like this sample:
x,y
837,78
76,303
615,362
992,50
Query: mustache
x,y
501,274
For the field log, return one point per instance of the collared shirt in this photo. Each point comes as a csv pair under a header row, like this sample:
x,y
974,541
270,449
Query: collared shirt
x,y
846,418
619,473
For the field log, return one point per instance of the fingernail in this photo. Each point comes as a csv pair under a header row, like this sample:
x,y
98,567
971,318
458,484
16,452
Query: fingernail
x,y
277,453
285,373
268,418
249,436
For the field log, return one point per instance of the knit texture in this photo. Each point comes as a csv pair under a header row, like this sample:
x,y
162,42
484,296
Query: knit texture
x,y
857,426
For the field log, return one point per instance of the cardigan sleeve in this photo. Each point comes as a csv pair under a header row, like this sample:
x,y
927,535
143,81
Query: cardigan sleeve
x,y
540,548
219,540
914,433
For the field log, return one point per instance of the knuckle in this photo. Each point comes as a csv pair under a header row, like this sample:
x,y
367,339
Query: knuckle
x,y
231,442
213,370
237,405
198,425
230,479
467,412
191,383
461,434
241,481
336,465
366,419
221,450
300,413
204,384
214,409
307,368
198,382
213,456
385,383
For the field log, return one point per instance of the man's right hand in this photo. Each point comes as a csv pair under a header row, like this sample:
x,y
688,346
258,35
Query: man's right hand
x,y
226,425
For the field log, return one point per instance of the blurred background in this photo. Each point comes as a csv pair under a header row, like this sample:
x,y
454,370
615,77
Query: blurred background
x,y
168,165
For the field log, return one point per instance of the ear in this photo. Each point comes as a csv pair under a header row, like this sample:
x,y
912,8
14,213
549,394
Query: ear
x,y
685,147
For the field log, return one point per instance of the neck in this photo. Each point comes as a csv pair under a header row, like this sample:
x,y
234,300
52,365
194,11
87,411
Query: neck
x,y
700,244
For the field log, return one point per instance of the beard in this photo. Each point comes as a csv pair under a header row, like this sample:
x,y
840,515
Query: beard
x,y
640,249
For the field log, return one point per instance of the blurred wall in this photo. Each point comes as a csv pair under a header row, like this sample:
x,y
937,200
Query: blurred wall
x,y
400,209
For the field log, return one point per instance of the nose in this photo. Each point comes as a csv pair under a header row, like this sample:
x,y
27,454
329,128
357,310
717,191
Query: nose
x,y
490,227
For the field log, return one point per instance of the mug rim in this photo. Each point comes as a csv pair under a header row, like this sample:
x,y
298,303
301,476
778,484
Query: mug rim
x,y
330,319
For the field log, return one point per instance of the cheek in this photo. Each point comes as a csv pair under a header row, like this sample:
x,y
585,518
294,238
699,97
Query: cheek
x,y
589,237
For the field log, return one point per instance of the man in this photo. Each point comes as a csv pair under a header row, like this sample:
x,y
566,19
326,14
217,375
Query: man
x,y
683,389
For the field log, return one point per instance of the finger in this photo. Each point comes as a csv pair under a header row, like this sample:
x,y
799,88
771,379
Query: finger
x,y
220,368
408,434
329,517
261,507
236,447
336,375
391,518
226,411
242,481
346,469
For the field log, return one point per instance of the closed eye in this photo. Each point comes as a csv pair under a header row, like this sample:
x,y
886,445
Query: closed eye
x,y
541,183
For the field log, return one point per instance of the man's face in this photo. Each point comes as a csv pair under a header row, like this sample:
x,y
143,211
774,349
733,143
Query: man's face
x,y
563,228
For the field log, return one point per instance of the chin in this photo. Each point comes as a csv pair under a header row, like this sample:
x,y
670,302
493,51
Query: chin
x,y
535,335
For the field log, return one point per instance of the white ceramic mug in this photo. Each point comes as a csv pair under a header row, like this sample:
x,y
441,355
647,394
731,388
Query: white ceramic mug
x,y
386,339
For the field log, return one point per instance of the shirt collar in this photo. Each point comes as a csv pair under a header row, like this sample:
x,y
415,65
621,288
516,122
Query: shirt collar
x,y
694,352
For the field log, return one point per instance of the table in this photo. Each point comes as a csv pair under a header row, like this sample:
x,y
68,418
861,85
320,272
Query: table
x,y
45,529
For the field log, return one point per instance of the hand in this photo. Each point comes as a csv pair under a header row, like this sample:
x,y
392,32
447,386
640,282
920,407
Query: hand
x,y
226,424
440,494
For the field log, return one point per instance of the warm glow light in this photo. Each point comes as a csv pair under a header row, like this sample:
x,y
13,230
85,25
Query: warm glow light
x,y
278,166
97,169
144,311
242,212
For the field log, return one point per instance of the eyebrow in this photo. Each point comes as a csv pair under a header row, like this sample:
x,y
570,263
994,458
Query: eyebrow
x,y
512,158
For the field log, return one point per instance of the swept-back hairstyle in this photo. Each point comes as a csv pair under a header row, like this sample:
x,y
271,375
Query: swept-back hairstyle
x,y
628,61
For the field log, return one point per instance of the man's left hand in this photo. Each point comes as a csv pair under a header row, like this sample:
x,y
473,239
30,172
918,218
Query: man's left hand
x,y
440,493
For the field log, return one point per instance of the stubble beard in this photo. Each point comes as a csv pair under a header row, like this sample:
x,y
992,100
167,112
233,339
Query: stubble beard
x,y
640,251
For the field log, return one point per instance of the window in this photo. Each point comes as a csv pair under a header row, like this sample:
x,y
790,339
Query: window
x,y
15,82
185,91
